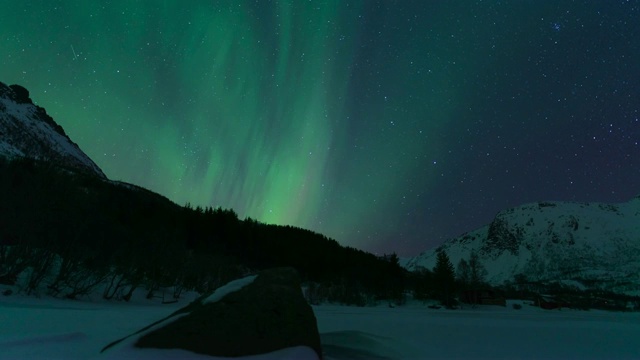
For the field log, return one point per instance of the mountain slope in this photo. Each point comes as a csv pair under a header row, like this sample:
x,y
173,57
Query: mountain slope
x,y
27,131
72,231
586,245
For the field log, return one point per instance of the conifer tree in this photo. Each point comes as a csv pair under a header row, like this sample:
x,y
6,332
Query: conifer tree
x,y
444,278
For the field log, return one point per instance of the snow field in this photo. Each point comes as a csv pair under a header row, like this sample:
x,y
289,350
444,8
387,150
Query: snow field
x,y
489,332
57,329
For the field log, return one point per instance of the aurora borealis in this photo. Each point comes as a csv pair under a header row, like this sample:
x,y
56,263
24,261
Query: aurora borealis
x,y
386,125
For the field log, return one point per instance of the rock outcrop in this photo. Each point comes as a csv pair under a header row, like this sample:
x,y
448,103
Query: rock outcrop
x,y
266,315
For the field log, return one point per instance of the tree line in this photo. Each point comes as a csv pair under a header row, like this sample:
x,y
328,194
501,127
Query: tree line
x,y
69,235
448,284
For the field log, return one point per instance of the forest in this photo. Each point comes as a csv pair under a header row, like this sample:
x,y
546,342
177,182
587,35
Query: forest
x,y
68,234
71,235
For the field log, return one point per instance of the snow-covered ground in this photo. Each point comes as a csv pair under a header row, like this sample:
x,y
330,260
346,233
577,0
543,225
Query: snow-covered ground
x,y
33,328
416,332
58,329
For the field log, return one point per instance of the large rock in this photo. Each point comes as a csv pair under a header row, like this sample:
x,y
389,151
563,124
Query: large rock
x,y
266,315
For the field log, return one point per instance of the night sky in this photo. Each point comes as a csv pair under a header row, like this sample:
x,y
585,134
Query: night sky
x,y
386,125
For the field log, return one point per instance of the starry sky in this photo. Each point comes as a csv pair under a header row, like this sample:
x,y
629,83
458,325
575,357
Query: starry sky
x,y
388,125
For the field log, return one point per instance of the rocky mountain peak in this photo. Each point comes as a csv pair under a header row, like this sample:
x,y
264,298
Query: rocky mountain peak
x,y
584,244
26,130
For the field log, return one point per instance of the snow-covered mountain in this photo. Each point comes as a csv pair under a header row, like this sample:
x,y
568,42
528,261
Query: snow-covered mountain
x,y
26,130
587,245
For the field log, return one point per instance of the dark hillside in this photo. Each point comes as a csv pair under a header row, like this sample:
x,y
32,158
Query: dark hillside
x,y
70,233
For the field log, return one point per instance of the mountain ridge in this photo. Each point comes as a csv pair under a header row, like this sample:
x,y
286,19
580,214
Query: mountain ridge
x,y
584,245
26,130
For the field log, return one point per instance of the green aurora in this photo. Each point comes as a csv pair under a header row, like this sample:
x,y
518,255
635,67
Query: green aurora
x,y
337,116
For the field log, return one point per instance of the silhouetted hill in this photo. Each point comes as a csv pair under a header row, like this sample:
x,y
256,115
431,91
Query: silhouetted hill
x,y
70,233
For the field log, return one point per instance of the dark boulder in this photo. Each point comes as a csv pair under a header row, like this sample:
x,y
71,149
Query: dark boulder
x,y
264,316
